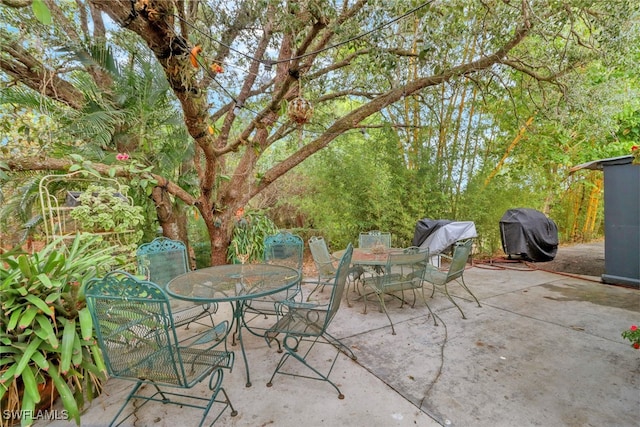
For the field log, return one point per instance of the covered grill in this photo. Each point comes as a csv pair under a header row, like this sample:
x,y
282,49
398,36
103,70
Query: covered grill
x,y
528,234
439,234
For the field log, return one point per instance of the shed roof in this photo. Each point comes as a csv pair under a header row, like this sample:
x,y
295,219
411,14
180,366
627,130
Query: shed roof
x,y
599,164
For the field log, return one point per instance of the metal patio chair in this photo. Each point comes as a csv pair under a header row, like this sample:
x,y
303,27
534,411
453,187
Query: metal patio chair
x,y
306,324
326,265
377,242
282,248
373,238
160,261
455,272
403,271
136,333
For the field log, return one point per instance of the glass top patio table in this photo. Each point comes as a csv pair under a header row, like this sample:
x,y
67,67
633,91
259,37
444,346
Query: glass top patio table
x,y
374,260
368,257
233,283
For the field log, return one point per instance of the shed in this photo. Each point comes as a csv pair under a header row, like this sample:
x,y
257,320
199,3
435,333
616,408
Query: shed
x,y
621,219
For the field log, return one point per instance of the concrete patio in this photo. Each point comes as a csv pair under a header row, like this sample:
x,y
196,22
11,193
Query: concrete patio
x,y
543,350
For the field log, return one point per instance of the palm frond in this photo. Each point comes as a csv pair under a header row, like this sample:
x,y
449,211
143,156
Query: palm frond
x,y
93,55
23,198
30,226
27,98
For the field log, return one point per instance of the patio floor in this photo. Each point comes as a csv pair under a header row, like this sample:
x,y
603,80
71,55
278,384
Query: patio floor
x,y
543,350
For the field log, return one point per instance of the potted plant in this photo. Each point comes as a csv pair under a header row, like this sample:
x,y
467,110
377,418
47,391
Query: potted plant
x,y
46,332
104,209
632,334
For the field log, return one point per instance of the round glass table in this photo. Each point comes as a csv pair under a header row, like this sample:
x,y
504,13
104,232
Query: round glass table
x,y
369,259
235,284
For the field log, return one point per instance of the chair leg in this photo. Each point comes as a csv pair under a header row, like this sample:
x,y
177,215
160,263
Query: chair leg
x,y
124,405
318,286
346,292
384,308
293,352
435,322
215,385
466,288
446,291
364,297
353,276
339,345
348,286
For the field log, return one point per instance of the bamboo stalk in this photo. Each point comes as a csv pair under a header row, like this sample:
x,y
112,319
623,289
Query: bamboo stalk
x,y
513,144
592,207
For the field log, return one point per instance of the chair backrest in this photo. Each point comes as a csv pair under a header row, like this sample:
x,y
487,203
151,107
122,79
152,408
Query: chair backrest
x,y
337,290
406,267
321,257
285,249
134,328
461,252
373,238
162,259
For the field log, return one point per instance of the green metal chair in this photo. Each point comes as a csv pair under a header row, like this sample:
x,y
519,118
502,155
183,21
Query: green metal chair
x,y
306,324
326,265
455,272
160,261
374,238
136,333
403,271
282,248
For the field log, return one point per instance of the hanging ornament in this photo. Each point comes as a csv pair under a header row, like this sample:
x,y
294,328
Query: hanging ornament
x,y
193,56
300,110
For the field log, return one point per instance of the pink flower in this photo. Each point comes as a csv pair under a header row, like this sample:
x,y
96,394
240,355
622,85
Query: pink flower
x,y
633,328
122,156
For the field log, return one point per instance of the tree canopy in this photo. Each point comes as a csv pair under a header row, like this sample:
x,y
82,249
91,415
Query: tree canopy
x,y
204,92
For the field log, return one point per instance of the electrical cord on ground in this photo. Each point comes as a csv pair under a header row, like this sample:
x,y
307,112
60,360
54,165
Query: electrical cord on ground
x,y
430,386
511,264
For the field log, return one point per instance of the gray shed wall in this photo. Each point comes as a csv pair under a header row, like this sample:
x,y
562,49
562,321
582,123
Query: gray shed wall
x,y
622,224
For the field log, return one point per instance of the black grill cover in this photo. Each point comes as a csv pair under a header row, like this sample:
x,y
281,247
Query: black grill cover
x,y
528,233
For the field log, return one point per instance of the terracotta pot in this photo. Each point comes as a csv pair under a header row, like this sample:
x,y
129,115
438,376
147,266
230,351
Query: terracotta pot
x,y
48,395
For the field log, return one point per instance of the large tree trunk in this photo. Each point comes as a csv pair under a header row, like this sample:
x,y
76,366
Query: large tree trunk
x,y
167,218
219,226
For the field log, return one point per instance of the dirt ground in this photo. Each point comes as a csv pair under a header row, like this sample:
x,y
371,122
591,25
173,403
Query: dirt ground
x,y
582,258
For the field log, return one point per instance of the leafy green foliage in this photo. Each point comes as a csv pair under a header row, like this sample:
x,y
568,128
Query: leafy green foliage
x,y
103,210
47,329
247,240
41,11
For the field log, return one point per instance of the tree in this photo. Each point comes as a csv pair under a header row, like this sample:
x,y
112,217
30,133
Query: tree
x,y
215,54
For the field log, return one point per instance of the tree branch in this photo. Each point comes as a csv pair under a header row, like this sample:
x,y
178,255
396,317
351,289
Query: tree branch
x,y
63,165
355,117
27,69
